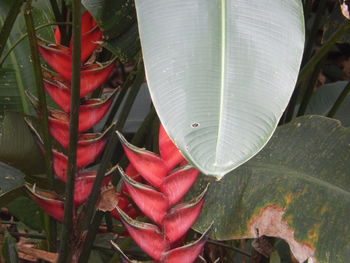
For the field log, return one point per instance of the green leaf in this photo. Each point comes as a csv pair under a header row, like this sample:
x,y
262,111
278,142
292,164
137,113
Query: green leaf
x,y
9,95
126,46
325,97
18,147
9,249
27,211
220,73
10,179
113,17
22,76
275,258
296,189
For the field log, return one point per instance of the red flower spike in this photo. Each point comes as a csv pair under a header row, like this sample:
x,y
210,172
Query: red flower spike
x,y
168,151
181,217
92,76
47,201
133,174
90,113
60,162
122,203
147,236
93,110
177,183
185,254
90,35
151,202
58,57
148,165
125,257
59,93
83,186
57,35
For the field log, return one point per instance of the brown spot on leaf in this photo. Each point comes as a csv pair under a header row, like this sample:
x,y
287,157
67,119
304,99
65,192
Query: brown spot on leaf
x,y
269,222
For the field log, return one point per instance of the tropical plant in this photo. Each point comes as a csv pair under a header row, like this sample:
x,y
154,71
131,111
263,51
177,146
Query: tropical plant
x,y
222,77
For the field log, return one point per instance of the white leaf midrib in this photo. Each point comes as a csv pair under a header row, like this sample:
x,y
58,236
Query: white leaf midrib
x,y
222,76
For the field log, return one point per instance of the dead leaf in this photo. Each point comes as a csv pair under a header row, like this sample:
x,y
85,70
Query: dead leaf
x,y
29,252
108,199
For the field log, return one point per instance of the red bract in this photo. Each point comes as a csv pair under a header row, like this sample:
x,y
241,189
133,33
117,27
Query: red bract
x,y
48,201
159,202
91,110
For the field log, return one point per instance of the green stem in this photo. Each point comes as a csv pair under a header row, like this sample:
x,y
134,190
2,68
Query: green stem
x,y
65,252
89,241
310,87
21,38
339,101
51,225
315,27
129,80
8,24
311,64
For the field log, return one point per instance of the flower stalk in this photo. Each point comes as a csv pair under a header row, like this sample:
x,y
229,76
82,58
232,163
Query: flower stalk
x,y
67,229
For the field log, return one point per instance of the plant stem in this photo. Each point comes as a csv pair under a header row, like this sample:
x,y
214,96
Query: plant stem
x,y
315,27
19,40
310,87
8,24
339,101
311,64
89,241
51,224
129,80
65,252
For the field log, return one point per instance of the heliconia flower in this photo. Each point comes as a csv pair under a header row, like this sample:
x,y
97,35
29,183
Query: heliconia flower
x,y
92,76
187,253
159,201
133,174
150,166
90,113
126,258
168,151
149,237
83,186
48,201
91,34
151,202
181,217
178,182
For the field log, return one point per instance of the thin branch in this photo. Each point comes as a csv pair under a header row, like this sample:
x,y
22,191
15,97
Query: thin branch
x,y
51,225
67,229
8,24
339,101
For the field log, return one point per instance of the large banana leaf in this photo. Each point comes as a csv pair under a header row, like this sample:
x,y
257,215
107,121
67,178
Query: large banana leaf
x,y
220,73
297,188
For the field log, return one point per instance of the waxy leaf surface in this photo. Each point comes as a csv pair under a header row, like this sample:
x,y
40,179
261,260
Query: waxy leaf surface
x,y
297,189
220,73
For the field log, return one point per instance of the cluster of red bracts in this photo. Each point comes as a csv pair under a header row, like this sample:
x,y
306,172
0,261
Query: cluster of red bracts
x,y
155,183
91,111
166,179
